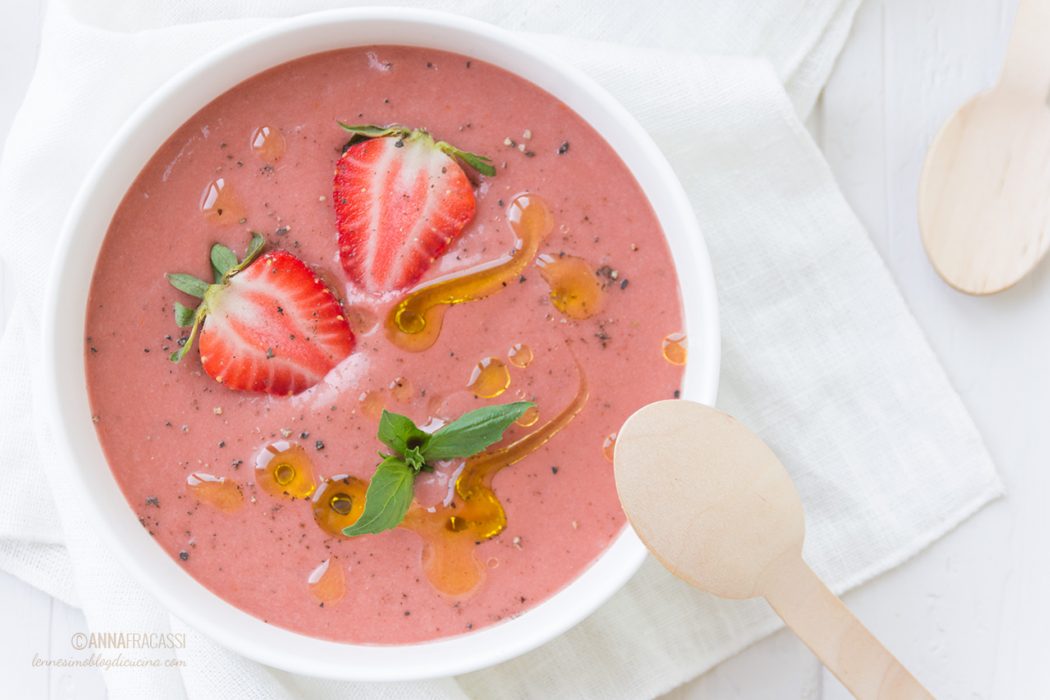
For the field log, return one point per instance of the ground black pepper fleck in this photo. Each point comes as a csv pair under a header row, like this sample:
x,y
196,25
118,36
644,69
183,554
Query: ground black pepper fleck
x,y
554,470
677,394
563,148
184,555
319,444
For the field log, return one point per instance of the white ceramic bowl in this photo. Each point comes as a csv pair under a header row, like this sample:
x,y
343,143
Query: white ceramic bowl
x,y
86,225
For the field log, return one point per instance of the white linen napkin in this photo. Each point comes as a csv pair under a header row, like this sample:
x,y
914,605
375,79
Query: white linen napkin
x,y
821,355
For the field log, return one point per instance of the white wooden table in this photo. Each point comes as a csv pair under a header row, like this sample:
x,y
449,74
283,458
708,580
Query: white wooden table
x,y
971,615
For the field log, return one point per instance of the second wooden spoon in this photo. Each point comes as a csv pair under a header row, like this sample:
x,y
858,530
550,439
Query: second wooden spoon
x,y
984,196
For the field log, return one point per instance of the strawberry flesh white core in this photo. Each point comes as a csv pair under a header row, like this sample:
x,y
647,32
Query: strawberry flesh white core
x,y
400,202
273,327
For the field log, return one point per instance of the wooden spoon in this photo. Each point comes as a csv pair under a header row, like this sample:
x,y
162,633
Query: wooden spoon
x,y
714,505
984,195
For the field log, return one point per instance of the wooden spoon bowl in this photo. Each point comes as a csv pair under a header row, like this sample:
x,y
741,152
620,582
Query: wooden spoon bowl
x,y
984,195
716,507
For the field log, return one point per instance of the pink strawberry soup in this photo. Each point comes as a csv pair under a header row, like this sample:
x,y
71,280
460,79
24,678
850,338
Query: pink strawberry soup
x,y
564,295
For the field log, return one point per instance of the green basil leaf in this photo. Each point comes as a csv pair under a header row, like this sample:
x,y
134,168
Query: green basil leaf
x,y
474,431
222,259
400,434
184,315
188,284
387,499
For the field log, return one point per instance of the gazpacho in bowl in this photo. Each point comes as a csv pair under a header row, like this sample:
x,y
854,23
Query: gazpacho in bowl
x,y
252,317
359,335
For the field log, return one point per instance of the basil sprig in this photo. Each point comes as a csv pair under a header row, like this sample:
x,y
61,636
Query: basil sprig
x,y
389,493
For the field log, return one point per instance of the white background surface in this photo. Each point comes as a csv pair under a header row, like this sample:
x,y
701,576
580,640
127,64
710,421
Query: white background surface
x,y
969,615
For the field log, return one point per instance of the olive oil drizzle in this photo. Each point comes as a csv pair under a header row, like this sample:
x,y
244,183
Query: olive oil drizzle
x,y
451,532
414,324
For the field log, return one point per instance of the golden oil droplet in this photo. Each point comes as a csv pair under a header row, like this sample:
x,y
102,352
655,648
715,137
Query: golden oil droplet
x,y
283,469
215,491
372,403
327,582
675,349
220,204
283,474
520,355
362,320
449,560
575,288
529,417
401,389
489,379
268,143
609,446
339,503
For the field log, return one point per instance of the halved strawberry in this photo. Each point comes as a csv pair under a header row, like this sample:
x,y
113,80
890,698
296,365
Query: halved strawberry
x,y
267,324
400,198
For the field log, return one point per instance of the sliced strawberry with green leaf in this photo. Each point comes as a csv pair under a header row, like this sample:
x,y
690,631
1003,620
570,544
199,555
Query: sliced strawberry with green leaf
x,y
400,199
267,324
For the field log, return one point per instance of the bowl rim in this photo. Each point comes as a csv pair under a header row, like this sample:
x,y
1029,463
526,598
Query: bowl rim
x,y
69,414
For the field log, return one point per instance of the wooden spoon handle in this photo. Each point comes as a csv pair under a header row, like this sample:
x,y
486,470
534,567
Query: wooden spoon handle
x,y
1027,65
839,640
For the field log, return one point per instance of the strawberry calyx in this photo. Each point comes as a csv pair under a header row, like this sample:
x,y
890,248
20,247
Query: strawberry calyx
x,y
224,265
363,132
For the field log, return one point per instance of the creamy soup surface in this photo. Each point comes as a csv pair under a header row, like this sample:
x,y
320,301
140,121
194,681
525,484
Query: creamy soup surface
x,y
196,460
